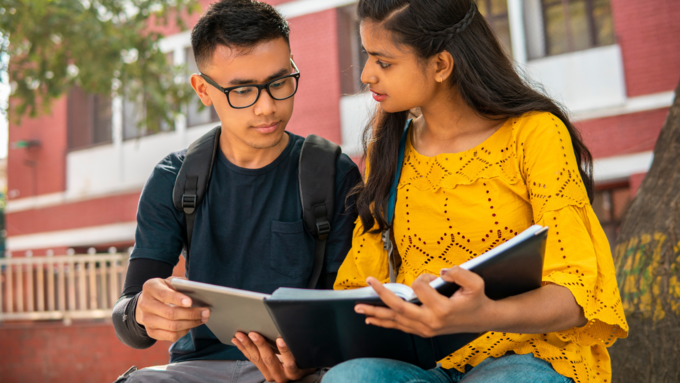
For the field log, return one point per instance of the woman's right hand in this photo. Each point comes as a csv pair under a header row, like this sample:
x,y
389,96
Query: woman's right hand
x,y
165,313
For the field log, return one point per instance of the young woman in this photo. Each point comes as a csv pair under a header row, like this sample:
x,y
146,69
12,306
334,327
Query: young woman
x,y
487,157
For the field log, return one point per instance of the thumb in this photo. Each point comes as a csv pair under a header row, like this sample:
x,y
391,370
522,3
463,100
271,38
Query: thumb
x,y
468,281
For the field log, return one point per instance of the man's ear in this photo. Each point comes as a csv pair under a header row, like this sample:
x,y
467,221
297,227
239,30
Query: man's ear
x,y
201,89
443,63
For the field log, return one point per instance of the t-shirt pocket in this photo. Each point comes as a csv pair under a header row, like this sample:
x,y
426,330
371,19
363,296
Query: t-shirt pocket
x,y
292,249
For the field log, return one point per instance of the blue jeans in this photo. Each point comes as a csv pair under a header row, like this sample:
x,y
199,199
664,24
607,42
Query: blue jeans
x,y
508,368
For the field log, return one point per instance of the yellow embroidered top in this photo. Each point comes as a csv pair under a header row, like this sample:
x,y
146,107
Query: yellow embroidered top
x,y
453,207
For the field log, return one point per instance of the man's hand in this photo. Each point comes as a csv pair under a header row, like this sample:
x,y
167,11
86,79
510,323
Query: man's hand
x,y
279,368
167,314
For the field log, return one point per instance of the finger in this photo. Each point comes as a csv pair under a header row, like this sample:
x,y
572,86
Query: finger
x,y
156,307
164,292
468,281
290,367
240,347
428,277
171,336
253,355
421,330
393,301
386,314
159,323
428,296
268,357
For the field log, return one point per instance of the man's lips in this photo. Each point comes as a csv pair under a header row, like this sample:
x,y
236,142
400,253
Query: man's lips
x,y
267,128
378,96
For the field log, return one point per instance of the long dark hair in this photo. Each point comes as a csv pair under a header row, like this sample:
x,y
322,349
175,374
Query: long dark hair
x,y
483,75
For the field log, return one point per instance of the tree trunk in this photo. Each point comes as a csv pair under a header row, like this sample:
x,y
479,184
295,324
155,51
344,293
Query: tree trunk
x,y
647,258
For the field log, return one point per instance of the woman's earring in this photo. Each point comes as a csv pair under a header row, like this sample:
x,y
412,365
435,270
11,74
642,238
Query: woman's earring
x,y
441,78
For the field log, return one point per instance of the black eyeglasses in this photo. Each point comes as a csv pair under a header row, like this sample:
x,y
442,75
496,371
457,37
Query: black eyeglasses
x,y
244,96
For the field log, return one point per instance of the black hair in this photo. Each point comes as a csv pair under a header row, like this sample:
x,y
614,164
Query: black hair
x,y
483,75
236,23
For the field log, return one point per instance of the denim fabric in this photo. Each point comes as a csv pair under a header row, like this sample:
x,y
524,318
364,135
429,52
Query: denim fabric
x,y
509,368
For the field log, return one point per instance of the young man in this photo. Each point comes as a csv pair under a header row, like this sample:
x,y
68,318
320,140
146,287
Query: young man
x,y
248,231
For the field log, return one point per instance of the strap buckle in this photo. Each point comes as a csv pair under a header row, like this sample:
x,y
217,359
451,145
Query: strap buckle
x,y
323,228
189,203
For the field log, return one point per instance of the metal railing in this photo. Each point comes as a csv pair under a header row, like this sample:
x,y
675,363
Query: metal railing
x,y
61,287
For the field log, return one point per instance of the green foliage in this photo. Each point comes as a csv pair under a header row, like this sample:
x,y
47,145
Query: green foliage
x,y
102,46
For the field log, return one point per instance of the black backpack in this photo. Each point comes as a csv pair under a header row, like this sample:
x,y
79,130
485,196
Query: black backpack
x,y
317,188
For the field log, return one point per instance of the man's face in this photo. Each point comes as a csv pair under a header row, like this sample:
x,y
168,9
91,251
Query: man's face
x,y
261,125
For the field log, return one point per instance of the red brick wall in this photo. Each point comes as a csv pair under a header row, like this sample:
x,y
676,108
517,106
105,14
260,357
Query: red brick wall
x,y
648,32
624,134
314,42
86,352
39,170
94,212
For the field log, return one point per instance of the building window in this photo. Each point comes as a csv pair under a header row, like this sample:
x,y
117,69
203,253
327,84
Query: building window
x,y
610,204
197,113
351,53
554,27
496,14
88,118
134,115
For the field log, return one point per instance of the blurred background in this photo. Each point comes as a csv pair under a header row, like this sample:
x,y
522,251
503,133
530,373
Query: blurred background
x,y
71,178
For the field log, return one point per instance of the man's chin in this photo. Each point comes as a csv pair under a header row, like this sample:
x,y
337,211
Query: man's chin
x,y
266,141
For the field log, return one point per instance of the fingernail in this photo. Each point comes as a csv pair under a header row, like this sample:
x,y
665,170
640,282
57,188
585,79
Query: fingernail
x,y
359,310
253,337
369,281
186,302
204,320
367,322
280,343
239,337
443,271
205,314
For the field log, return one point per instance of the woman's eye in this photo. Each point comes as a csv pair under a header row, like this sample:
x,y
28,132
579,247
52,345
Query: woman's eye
x,y
383,65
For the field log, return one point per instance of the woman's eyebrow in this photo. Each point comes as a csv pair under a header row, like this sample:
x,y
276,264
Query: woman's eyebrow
x,y
379,53
238,81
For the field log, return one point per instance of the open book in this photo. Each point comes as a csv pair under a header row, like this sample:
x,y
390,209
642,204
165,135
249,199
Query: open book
x,y
321,328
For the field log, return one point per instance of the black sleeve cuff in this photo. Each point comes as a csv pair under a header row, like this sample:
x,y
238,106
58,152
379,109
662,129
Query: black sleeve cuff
x,y
125,323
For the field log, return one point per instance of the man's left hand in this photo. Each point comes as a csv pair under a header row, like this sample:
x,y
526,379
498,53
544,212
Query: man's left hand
x,y
279,368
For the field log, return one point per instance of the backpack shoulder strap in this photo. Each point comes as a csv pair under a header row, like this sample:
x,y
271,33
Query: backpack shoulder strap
x,y
193,179
317,191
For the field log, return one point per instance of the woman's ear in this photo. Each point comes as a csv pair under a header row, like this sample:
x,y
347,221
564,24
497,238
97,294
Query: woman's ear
x,y
201,88
443,62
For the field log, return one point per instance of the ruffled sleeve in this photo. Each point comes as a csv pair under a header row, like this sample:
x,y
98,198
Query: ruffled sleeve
x,y
578,255
367,258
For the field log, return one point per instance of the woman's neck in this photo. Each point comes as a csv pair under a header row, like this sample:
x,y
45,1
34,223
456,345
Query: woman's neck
x,y
449,125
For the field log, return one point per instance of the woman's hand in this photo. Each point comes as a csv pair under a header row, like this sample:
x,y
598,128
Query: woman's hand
x,y
279,368
549,308
468,310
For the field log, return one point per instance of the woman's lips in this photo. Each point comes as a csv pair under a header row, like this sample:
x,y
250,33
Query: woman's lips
x,y
379,97
265,129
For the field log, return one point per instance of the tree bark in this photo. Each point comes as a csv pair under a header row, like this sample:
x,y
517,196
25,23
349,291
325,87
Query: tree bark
x,y
647,259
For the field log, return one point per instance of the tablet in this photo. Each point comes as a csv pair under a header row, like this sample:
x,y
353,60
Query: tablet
x,y
231,310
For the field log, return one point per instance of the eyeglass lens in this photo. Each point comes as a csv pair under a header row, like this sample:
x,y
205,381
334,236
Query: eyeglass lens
x,y
247,95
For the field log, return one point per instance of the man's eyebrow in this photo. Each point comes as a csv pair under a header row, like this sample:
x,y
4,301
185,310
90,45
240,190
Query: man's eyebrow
x,y
378,53
240,81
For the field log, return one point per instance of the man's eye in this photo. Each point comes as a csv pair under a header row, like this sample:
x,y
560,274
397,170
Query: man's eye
x,y
278,84
242,91
383,65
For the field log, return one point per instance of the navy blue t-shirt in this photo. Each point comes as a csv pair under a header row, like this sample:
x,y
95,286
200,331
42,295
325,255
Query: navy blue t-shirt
x,y
248,232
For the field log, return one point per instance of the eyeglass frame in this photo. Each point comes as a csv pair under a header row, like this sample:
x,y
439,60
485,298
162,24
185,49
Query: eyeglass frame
x,y
259,87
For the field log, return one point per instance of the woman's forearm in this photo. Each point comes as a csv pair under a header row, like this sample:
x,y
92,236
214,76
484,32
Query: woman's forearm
x,y
547,309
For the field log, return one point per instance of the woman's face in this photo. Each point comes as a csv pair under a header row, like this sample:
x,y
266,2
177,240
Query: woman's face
x,y
397,78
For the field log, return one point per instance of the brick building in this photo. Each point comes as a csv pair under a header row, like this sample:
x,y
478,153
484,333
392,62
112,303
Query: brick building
x,y
612,63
